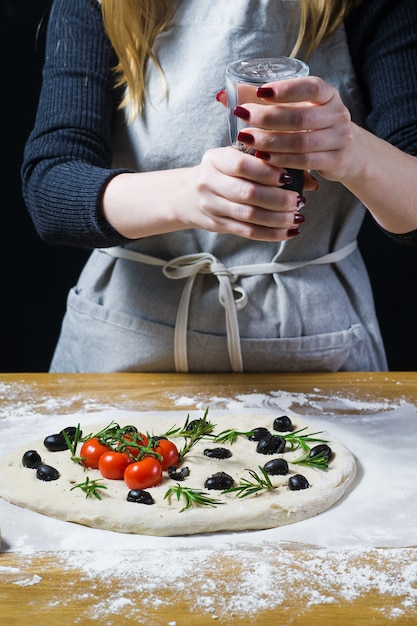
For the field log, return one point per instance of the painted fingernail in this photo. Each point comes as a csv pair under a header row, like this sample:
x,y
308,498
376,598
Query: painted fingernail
x,y
220,94
245,138
285,179
264,92
293,232
262,155
242,113
299,218
301,202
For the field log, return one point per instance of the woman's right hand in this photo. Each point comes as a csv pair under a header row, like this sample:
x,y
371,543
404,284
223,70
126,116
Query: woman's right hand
x,y
237,193
229,192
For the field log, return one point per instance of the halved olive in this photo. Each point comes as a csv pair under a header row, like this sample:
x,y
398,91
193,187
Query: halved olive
x,y
140,496
217,453
271,445
219,481
46,472
321,450
276,467
297,482
31,459
282,424
258,433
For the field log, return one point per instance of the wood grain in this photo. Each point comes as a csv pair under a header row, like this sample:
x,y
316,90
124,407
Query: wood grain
x,y
40,589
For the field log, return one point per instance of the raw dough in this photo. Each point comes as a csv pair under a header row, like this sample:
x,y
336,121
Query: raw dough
x,y
267,509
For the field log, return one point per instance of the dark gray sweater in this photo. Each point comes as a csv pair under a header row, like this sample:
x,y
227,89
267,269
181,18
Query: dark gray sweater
x,y
68,156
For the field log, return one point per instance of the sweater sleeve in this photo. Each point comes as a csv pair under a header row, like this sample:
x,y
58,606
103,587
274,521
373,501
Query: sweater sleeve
x,y
383,45
67,158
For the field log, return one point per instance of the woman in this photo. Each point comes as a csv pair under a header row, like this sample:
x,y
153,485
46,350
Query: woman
x,y
204,261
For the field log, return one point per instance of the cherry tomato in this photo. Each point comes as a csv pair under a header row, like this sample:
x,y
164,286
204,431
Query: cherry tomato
x,y
138,439
112,464
169,452
91,451
143,474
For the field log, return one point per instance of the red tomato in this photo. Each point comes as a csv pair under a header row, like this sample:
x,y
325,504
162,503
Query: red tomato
x,y
113,464
169,452
138,439
91,451
143,474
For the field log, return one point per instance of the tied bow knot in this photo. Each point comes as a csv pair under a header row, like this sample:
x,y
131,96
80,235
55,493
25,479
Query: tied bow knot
x,y
189,266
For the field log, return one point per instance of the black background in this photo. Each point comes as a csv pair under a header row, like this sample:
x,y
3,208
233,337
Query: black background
x,y
35,277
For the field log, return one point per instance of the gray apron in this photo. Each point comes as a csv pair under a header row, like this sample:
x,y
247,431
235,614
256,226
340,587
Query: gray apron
x,y
199,301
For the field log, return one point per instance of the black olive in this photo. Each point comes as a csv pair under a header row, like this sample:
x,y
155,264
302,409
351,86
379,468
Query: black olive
x,y
31,459
276,467
271,445
130,429
70,431
323,450
297,482
46,472
55,443
258,433
219,481
218,453
282,424
193,424
176,474
140,496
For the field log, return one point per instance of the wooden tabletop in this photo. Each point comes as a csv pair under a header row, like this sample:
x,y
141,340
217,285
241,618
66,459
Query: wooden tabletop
x,y
39,589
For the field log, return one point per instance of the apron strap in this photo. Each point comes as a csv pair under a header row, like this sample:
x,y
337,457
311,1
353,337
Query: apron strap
x,y
232,297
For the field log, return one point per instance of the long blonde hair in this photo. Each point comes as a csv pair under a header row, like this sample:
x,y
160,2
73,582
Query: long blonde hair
x,y
133,25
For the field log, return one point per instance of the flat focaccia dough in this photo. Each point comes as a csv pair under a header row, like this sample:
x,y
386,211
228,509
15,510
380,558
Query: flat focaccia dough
x,y
266,509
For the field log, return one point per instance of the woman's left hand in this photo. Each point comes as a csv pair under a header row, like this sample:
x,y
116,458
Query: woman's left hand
x,y
305,126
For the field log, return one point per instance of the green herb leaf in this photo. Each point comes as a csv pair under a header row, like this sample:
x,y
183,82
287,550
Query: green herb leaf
x,y
201,430
192,497
90,488
247,488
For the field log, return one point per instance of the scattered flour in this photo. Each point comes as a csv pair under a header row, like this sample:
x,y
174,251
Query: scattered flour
x,y
28,582
248,580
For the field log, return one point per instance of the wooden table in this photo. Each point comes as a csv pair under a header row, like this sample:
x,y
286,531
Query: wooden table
x,y
46,603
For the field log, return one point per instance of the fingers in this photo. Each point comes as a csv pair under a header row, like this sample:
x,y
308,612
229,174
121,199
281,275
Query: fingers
x,y
239,194
305,126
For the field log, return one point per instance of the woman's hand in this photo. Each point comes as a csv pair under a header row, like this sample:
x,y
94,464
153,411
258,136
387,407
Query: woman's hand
x,y
239,194
305,126
229,192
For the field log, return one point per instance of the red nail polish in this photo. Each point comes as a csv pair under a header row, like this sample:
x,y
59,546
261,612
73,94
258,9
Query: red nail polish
x,y
241,112
264,92
260,154
293,232
299,218
219,95
245,138
286,179
301,202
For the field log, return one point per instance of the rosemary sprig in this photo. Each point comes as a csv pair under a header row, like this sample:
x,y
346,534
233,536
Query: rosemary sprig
x,y
320,461
295,440
247,488
202,428
90,488
72,443
192,497
127,439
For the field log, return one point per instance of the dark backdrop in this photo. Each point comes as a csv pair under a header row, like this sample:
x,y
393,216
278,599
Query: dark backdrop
x,y
35,277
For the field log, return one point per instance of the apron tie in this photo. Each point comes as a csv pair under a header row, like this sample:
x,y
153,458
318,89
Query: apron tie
x,y
232,297
188,266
